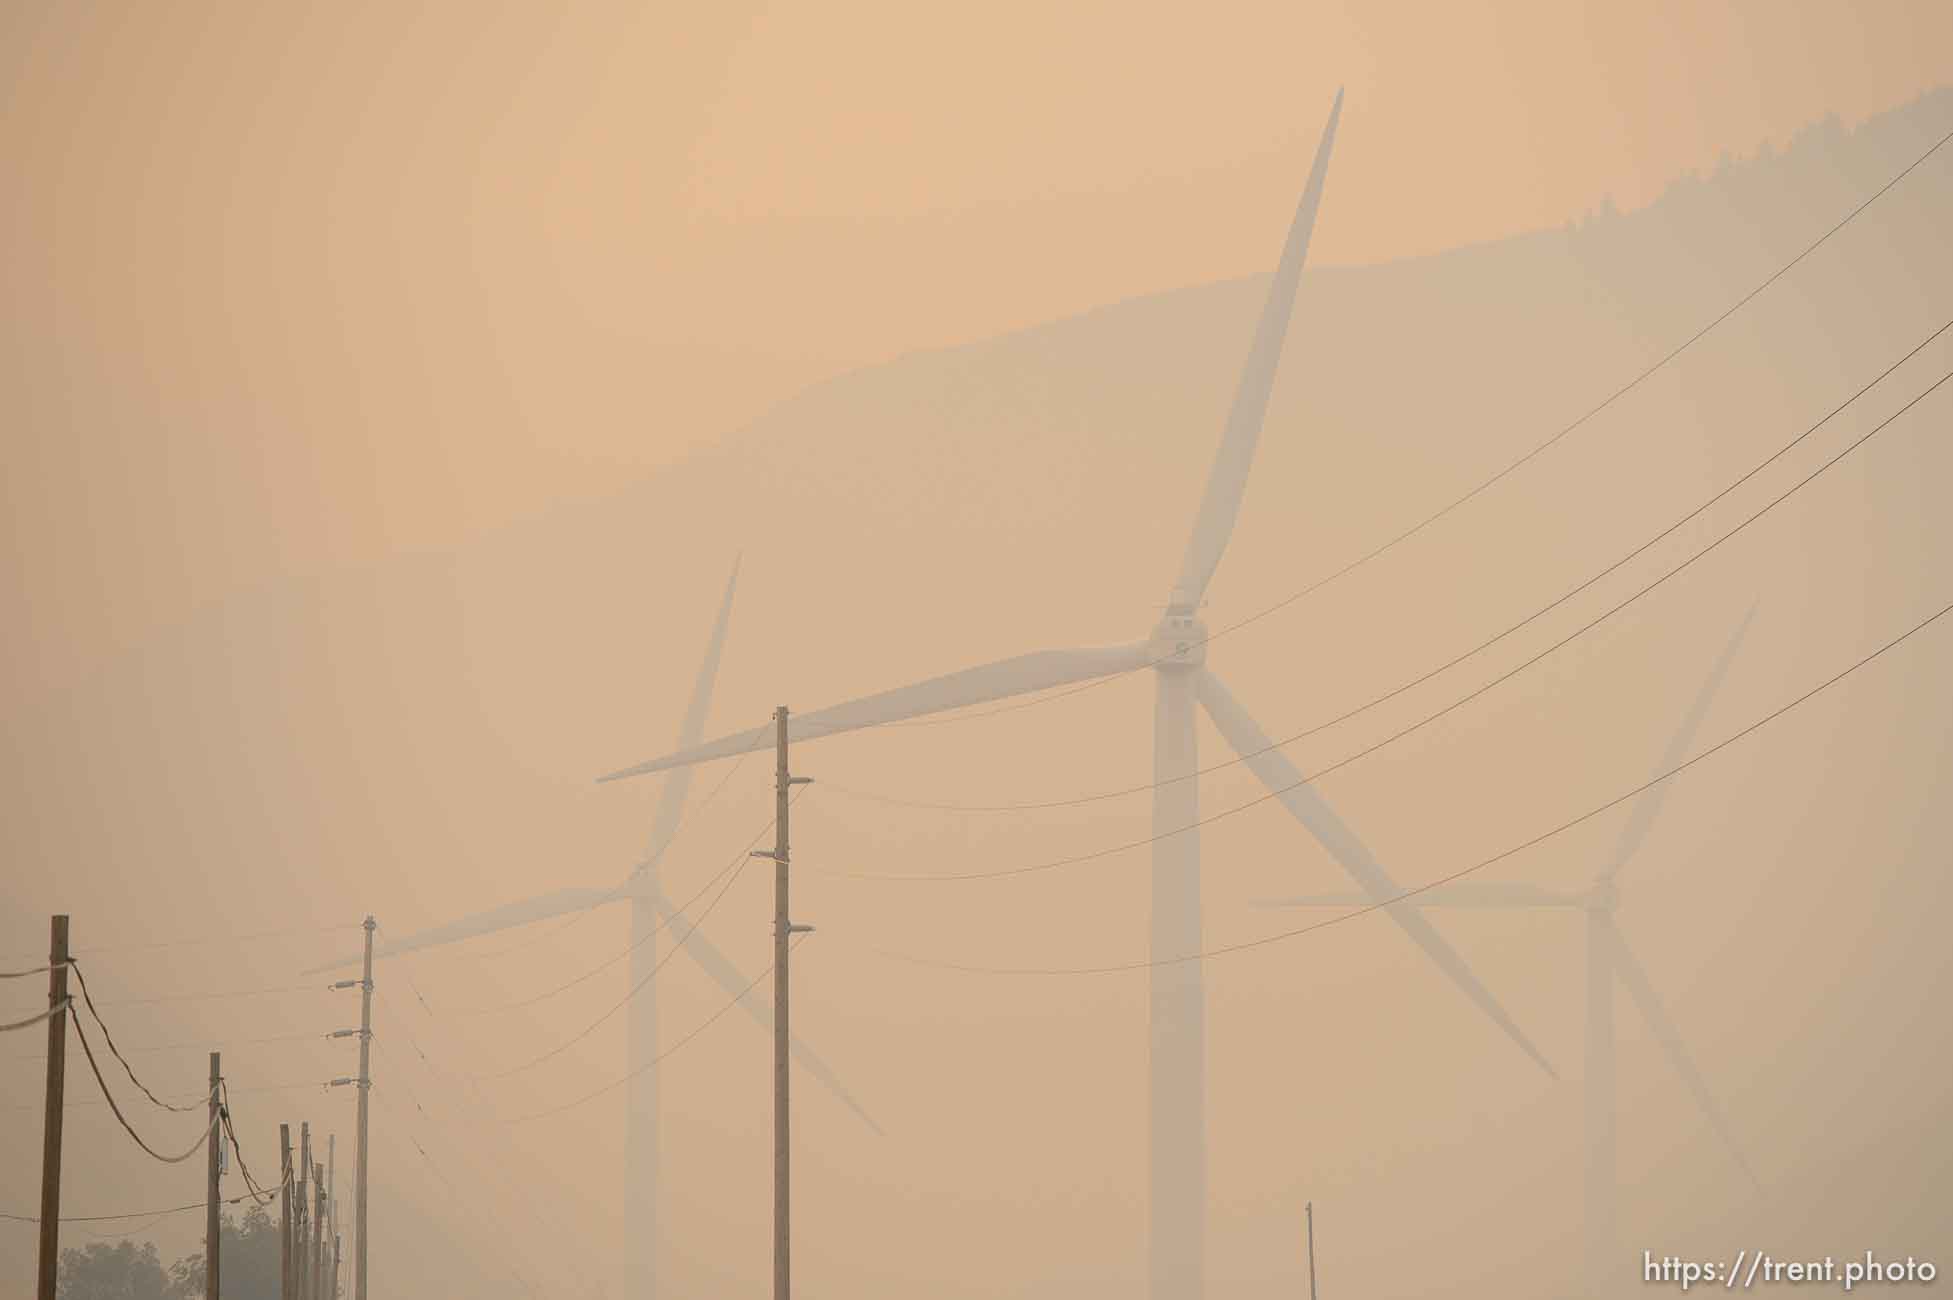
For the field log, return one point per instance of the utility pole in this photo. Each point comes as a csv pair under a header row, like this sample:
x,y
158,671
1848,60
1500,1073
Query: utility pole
x,y
783,930
332,1205
212,1223
314,1275
364,1081
365,1096
57,1076
782,1143
1309,1214
302,1221
285,1287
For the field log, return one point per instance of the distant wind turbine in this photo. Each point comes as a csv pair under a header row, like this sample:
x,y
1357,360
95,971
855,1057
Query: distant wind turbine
x,y
649,906
1176,652
1608,960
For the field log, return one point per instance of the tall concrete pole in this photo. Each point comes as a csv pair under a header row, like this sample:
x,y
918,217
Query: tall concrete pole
x,y
782,924
212,1222
332,1209
365,1098
57,1081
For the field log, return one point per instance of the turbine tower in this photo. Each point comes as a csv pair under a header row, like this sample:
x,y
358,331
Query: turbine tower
x,y
1609,961
1176,652
650,907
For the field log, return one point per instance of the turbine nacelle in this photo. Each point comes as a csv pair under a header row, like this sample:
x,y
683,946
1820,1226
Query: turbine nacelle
x,y
1179,641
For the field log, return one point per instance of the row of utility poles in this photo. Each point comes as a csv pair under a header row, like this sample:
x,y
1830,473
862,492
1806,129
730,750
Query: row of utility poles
x,y
308,1249
309,1234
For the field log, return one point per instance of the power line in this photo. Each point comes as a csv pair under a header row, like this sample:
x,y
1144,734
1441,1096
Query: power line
x,y
261,1087
23,974
1542,611
1364,910
151,1215
221,993
1428,520
205,940
736,863
496,1230
202,1046
436,1119
224,1115
1429,718
687,817
102,1083
731,877
696,1030
38,1017
109,1038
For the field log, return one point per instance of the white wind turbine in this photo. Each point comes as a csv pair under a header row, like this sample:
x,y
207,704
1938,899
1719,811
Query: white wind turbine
x,y
1177,655
1608,960
650,908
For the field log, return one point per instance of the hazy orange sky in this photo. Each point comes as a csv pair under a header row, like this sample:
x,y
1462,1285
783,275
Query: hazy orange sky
x,y
351,358
292,286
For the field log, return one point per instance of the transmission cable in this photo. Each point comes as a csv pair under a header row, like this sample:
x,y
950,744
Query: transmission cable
x,y
694,1032
663,923
220,993
23,974
102,1083
1275,793
39,1016
109,1038
1380,904
686,818
262,1196
1427,521
1570,593
132,1214
731,878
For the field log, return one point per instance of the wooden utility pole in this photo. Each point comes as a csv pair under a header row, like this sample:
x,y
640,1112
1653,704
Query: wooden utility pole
x,y
285,1288
212,1223
315,1273
57,1076
302,1221
365,1096
1309,1214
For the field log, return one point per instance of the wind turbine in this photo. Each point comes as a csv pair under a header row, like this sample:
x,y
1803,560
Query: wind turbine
x,y
650,907
1176,652
1608,961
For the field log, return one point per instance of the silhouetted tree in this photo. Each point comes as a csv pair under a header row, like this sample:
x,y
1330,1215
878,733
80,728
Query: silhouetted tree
x,y
129,1270
250,1261
123,1271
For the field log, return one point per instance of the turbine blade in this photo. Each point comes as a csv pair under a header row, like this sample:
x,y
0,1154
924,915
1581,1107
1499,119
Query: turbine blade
x,y
726,975
1642,819
1462,893
1306,806
1007,677
671,799
506,917
1643,993
1228,480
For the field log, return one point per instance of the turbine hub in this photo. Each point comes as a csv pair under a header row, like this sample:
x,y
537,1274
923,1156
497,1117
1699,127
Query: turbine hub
x,y
1179,641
